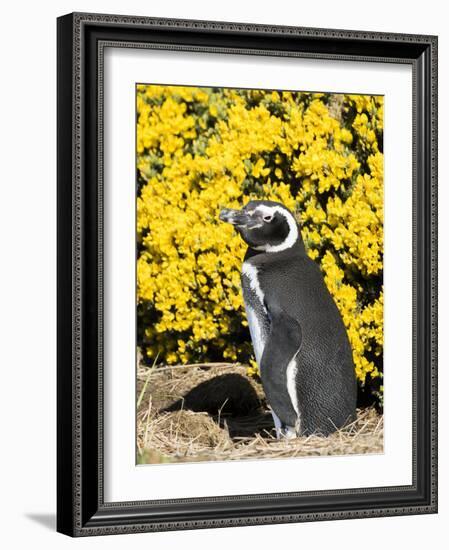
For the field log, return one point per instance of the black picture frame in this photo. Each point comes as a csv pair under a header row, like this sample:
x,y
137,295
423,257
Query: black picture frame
x,y
81,509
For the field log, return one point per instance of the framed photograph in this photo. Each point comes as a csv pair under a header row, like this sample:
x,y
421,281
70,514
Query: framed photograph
x,y
247,279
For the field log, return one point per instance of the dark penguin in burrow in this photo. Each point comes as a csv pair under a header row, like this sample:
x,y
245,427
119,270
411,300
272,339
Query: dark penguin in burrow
x,y
298,335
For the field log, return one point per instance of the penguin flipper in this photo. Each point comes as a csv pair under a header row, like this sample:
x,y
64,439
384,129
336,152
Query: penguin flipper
x,y
279,355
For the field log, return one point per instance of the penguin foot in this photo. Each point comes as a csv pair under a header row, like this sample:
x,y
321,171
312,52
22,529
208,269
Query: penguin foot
x,y
283,431
288,432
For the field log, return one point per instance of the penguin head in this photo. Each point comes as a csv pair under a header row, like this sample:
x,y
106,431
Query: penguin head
x,y
265,226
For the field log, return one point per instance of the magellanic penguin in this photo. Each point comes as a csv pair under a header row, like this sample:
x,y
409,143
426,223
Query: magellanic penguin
x,y
299,339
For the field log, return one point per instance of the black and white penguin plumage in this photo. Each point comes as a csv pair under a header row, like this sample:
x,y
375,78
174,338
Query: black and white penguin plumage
x,y
298,335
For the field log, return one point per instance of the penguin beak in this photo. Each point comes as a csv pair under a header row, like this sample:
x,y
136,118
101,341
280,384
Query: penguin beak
x,y
238,218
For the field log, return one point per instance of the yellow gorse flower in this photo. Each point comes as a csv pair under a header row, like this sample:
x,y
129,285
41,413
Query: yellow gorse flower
x,y
201,149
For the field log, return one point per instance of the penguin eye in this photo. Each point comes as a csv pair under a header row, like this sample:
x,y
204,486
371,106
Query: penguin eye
x,y
267,218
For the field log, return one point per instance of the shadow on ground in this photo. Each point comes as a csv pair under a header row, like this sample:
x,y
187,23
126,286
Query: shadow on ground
x,y
46,520
232,401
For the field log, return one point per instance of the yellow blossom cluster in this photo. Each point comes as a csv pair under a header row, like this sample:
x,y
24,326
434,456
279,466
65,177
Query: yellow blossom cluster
x,y
201,149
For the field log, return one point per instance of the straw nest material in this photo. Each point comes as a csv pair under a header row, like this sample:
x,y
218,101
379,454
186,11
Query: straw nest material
x,y
214,411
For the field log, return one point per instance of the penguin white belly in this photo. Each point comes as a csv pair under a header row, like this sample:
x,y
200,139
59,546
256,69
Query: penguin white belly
x,y
257,336
259,327
258,339
256,312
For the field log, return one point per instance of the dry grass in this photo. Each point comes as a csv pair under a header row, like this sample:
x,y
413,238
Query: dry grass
x,y
215,412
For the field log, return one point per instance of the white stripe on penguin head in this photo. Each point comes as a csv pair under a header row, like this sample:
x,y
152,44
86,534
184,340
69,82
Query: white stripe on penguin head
x,y
293,232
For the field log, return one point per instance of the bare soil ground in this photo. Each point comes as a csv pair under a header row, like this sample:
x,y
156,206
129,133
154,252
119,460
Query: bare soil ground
x,y
215,411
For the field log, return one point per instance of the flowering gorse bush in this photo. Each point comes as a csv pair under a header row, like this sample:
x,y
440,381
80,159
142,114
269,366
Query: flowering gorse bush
x,y
201,149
